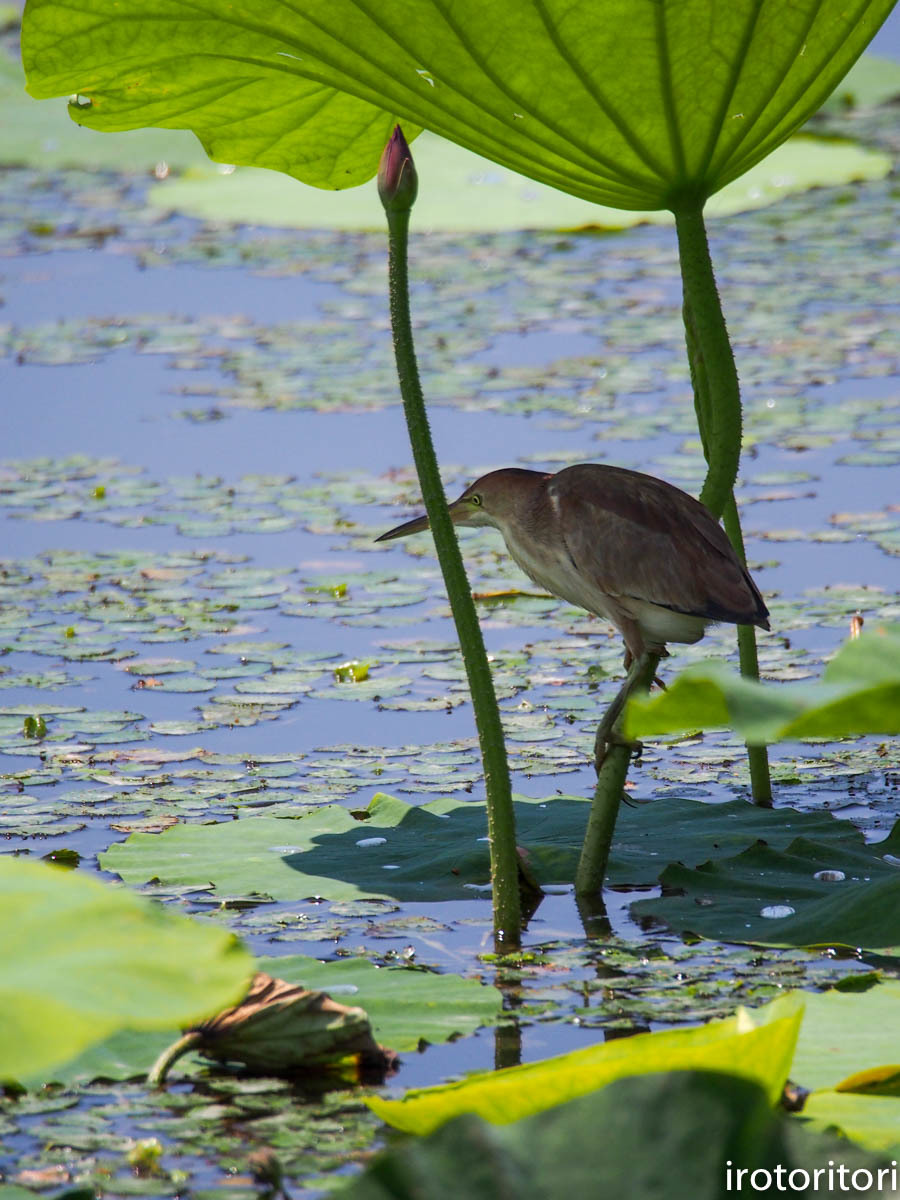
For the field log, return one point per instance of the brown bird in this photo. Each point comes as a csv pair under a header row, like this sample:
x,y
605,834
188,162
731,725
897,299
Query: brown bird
x,y
625,546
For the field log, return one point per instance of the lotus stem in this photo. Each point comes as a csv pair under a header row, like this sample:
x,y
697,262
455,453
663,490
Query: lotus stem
x,y
708,416
156,1076
720,426
501,817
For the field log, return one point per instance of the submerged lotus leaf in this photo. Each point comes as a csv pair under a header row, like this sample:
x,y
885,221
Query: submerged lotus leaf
x,y
622,121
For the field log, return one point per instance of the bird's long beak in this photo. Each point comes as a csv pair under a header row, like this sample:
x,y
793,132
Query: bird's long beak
x,y
416,525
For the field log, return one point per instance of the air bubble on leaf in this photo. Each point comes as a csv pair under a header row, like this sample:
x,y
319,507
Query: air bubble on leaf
x,y
477,887
777,911
372,841
891,859
286,849
829,876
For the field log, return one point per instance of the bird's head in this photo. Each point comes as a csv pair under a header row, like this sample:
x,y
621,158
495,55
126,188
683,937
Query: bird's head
x,y
494,499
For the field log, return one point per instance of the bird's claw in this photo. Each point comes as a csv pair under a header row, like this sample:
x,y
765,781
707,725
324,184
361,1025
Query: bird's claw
x,y
606,739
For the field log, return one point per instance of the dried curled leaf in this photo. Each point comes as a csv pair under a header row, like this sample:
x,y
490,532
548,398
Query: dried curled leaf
x,y
281,1028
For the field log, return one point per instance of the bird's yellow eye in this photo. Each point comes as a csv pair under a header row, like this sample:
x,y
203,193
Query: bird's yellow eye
x,y
476,500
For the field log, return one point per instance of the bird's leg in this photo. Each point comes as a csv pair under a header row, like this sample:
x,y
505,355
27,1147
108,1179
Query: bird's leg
x,y
611,775
606,732
629,659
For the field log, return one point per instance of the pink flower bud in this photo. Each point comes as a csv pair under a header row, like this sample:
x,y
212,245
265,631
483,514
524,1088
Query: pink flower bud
x,y
398,183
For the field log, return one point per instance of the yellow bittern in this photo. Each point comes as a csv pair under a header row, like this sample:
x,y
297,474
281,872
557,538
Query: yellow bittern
x,y
625,546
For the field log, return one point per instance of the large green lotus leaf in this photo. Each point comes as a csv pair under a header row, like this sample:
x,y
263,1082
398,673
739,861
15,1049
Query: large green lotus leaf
x,y
812,893
502,198
82,960
671,1135
242,78
756,1045
439,851
631,103
859,693
405,1007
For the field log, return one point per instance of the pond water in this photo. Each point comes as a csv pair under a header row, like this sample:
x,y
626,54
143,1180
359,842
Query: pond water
x,y
201,439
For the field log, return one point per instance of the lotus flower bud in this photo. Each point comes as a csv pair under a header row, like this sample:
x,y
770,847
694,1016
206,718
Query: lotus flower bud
x,y
398,183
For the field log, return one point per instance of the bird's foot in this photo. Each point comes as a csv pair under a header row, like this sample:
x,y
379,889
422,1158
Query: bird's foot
x,y
606,739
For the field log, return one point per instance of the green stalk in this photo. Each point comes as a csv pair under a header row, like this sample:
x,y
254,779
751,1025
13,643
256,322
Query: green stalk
x,y
611,777
501,818
720,425
156,1076
711,422
757,756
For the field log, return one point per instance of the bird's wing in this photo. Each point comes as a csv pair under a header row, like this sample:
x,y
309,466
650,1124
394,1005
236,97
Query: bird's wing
x,y
636,536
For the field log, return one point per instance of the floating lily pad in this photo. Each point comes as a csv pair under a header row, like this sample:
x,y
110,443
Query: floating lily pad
x,y
871,81
844,893
158,666
438,851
